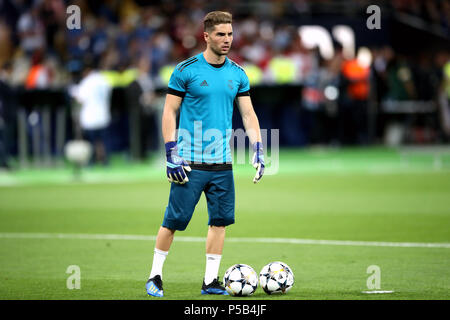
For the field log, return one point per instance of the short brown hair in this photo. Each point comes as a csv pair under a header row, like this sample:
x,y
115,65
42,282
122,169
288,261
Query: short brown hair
x,y
214,18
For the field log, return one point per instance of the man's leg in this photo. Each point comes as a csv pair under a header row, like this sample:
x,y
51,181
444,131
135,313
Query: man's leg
x,y
220,198
164,238
163,242
182,202
214,247
215,240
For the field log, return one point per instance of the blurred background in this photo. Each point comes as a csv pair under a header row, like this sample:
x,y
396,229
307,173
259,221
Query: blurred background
x,y
360,99
318,72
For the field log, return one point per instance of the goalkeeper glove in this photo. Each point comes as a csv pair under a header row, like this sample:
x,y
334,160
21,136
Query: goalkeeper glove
x,y
258,161
176,166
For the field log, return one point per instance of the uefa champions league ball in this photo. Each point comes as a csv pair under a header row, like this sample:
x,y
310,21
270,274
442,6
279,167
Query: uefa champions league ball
x,y
276,277
240,280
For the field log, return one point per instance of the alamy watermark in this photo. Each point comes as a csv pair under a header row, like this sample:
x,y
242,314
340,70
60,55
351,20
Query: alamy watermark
x,y
373,282
73,20
74,280
374,20
214,146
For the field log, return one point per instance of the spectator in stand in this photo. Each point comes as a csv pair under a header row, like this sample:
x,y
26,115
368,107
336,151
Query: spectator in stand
x,y
39,75
140,99
444,104
31,30
353,99
7,114
319,96
399,79
93,93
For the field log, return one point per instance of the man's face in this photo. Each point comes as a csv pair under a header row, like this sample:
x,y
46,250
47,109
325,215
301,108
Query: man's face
x,y
220,38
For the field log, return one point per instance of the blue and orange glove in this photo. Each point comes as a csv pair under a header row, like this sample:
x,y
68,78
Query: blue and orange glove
x,y
176,165
258,161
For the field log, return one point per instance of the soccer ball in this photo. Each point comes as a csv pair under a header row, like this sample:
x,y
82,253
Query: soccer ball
x,y
78,151
240,280
276,277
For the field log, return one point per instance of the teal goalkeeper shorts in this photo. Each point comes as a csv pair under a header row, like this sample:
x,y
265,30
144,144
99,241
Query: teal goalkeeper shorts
x,y
218,187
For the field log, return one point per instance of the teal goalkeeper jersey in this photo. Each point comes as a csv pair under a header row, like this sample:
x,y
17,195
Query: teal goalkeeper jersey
x,y
206,111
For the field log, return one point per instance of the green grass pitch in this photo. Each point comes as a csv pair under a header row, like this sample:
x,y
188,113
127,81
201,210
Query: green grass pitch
x,y
374,195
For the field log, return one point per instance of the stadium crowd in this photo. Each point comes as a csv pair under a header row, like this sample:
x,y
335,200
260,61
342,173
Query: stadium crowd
x,y
116,34
129,40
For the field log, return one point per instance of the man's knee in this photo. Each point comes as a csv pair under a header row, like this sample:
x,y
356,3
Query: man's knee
x,y
221,222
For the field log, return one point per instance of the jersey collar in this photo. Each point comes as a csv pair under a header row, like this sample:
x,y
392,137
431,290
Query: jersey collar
x,y
202,57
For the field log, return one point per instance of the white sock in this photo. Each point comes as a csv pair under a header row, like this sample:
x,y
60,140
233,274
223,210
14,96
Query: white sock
x,y
212,267
159,257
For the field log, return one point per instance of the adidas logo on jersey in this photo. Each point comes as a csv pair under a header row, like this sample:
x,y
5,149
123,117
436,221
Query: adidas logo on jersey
x,y
204,84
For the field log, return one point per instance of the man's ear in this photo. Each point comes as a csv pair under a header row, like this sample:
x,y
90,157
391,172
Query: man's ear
x,y
206,36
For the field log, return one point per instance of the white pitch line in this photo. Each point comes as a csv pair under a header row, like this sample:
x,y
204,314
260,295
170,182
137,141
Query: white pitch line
x,y
89,236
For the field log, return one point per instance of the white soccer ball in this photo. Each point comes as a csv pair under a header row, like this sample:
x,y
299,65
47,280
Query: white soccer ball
x,y
276,277
78,151
240,280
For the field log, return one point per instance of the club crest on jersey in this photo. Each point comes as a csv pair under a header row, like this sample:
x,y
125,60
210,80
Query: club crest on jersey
x,y
230,84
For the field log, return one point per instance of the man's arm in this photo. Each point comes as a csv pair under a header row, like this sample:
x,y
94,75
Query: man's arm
x,y
249,119
176,166
251,125
169,117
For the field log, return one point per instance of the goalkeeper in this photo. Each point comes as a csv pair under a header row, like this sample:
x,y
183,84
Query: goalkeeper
x,y
203,89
